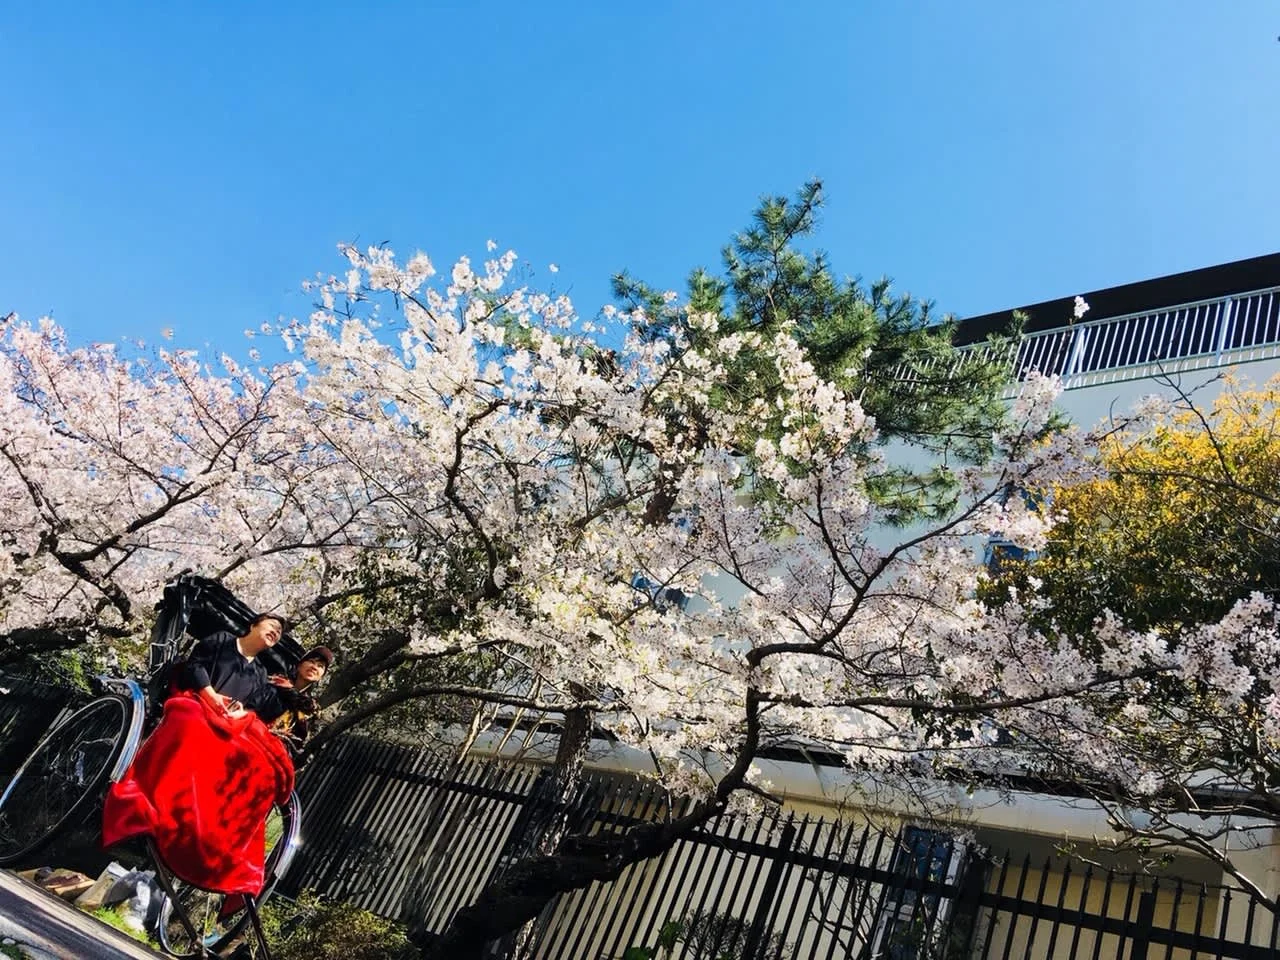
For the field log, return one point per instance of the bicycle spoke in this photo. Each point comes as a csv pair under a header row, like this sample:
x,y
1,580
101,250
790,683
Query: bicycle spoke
x,y
64,771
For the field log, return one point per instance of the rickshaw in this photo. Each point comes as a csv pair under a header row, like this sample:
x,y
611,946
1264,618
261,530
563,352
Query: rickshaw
x,y
63,781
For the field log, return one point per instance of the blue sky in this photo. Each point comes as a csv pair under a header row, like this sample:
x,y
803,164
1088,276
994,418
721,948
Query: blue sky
x,y
187,165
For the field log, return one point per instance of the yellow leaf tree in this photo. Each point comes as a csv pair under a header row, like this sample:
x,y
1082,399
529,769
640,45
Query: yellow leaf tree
x,y
1185,521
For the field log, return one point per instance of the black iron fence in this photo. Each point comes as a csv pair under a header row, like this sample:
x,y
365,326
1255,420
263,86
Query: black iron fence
x,y
413,836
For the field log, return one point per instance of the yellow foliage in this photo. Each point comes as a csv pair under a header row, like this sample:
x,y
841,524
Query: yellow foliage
x,y
1185,522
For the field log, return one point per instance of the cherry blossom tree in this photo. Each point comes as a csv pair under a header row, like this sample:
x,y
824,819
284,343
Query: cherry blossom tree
x,y
105,465
460,470
887,349
116,472
525,464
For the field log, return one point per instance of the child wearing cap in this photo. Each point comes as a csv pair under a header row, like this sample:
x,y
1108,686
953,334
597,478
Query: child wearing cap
x,y
295,723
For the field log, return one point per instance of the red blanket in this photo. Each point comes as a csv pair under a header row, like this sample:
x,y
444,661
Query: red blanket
x,y
201,786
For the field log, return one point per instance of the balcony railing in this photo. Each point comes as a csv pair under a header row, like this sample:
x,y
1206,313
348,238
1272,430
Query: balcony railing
x,y
1207,333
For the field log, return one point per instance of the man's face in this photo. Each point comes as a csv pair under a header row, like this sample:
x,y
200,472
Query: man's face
x,y
310,671
266,632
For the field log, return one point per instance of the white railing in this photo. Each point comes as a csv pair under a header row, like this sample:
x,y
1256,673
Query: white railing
x,y
1207,333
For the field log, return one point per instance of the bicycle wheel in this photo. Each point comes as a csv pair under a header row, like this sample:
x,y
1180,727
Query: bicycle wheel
x,y
217,928
62,775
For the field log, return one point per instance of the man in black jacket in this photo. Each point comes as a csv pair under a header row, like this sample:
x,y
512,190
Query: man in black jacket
x,y
224,672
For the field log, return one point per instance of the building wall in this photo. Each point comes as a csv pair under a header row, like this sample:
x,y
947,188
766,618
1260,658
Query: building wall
x,y
1097,402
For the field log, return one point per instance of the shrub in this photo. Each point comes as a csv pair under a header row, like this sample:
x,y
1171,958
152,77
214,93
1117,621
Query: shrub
x,y
314,929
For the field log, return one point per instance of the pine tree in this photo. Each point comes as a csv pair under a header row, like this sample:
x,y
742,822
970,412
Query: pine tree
x,y
891,350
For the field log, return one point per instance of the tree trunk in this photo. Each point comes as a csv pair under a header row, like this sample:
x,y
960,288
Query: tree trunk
x,y
528,887
566,772
519,896
556,796
384,656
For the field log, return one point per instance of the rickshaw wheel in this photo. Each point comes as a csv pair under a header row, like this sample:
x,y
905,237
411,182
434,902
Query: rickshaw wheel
x,y
61,777
204,909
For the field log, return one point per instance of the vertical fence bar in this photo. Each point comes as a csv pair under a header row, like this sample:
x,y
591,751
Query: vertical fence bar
x,y
394,786
645,892
1106,903
1080,909
1222,921
848,892
1204,893
1173,918
963,896
760,923
864,900
718,917
1039,901
760,862
368,787
1112,348
1160,347
709,844
995,911
439,834
461,873
622,888
1062,899
817,884
390,833
565,923
1142,350
1075,356
588,902
927,914
1044,353
1224,328
414,824
682,855
614,824
1013,920
1249,316
1118,343
1146,915
799,885
315,784
1248,921
325,783
647,873
1275,930
567,918
1208,332
922,870
1129,339
428,853
1128,906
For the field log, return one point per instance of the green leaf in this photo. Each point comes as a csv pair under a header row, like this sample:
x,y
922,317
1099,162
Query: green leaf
x,y
671,931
